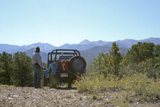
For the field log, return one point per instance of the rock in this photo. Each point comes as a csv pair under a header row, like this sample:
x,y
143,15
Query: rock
x,y
9,98
84,97
15,95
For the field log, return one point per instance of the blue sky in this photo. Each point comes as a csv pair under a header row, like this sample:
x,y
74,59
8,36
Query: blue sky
x,y
57,22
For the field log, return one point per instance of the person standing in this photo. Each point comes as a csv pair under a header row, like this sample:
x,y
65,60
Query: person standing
x,y
37,66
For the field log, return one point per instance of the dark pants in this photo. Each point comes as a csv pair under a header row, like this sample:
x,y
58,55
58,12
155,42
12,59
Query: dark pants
x,y
37,75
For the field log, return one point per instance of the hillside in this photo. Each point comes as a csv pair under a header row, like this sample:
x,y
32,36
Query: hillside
x,y
88,54
43,55
92,53
8,48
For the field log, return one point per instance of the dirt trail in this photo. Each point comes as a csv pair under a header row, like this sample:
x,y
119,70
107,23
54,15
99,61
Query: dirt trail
x,y
45,97
49,97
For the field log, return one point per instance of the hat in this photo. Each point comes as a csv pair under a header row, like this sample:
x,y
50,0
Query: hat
x,y
37,49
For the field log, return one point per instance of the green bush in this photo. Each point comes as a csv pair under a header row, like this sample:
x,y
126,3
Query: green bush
x,y
91,84
137,86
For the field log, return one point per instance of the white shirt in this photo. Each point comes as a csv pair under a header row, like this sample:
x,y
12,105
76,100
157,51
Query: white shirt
x,y
36,58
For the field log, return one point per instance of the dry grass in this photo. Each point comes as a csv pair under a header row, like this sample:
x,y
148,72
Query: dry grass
x,y
132,88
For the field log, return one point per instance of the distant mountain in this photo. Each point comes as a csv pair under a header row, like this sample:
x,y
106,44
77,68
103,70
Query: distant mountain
x,y
45,47
127,43
88,54
151,40
83,46
101,43
77,46
92,53
43,55
8,48
85,42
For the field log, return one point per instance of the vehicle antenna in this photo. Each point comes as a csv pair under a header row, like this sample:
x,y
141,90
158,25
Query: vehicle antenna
x,y
59,36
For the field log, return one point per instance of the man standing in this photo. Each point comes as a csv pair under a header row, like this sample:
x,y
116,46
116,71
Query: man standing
x,y
37,65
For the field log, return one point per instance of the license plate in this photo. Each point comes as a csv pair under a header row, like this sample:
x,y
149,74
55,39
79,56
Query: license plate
x,y
64,75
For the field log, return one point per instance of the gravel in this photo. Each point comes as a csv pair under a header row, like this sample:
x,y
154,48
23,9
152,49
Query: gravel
x,y
45,97
11,96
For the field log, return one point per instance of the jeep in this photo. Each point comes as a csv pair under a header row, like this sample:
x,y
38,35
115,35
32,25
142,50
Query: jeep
x,y
63,66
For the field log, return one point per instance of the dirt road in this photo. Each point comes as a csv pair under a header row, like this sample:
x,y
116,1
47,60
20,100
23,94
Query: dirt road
x,y
49,97
45,97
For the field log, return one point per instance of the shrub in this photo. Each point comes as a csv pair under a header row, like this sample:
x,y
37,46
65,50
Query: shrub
x,y
91,84
141,87
137,86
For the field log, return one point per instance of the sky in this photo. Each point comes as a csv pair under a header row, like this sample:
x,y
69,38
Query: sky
x,y
24,22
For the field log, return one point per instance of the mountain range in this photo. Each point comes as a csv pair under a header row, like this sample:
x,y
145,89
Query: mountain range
x,y
89,49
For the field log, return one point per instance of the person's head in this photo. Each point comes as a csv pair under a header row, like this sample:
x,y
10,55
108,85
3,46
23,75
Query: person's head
x,y
37,49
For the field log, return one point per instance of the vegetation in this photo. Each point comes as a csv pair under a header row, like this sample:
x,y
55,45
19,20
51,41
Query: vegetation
x,y
23,71
136,75
16,70
6,68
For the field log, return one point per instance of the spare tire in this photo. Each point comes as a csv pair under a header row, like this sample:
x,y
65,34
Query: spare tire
x,y
77,64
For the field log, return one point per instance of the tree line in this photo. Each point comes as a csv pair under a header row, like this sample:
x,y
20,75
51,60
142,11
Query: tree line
x,y
16,69
141,57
